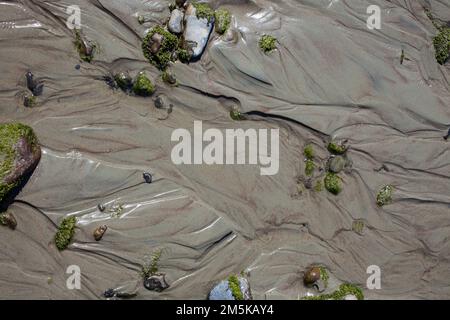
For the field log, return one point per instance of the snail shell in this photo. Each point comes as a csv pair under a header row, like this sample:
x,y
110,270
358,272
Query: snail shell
x,y
99,232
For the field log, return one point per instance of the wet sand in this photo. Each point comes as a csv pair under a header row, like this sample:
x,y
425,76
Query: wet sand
x,y
330,77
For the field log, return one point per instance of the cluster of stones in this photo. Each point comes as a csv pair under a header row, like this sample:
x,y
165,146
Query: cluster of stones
x,y
186,34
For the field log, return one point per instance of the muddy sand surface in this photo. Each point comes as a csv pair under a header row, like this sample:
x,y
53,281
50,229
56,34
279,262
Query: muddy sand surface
x,y
330,78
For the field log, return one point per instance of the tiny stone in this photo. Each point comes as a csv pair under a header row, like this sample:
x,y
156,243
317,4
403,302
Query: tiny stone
x,y
147,177
101,207
156,282
109,293
77,67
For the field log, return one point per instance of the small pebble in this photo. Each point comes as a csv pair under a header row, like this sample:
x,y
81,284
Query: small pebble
x,y
99,232
77,67
147,177
101,207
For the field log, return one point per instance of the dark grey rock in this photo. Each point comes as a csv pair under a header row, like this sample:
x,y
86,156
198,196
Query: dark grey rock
x,y
156,282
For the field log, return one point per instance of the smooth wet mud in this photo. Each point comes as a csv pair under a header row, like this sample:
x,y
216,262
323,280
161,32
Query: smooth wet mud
x,y
329,78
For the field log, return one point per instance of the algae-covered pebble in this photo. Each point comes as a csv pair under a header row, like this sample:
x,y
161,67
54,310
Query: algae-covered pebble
x,y
333,183
336,148
19,155
309,167
308,152
223,20
143,85
442,45
267,43
65,232
384,196
158,46
8,219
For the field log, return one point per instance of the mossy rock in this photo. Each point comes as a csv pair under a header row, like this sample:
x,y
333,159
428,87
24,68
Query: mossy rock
x,y
65,232
86,49
160,54
267,43
143,86
308,152
19,155
203,11
336,148
441,44
123,81
223,20
309,167
333,183
384,196
236,115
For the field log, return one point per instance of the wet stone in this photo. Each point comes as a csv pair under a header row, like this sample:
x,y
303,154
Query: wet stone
x,y
156,282
175,24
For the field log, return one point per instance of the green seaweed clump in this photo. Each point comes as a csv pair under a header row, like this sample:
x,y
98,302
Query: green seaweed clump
x,y
169,44
309,167
319,186
85,49
235,287
358,226
143,86
183,55
10,134
149,269
308,152
332,183
442,45
203,10
384,196
65,232
344,290
223,20
324,276
336,148
236,115
267,43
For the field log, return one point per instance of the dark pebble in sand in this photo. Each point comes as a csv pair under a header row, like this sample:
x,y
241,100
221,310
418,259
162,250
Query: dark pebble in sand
x,y
77,67
448,135
147,177
156,282
101,207
109,293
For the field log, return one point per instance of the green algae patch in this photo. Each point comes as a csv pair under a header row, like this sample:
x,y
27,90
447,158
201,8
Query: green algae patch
x,y
319,186
384,196
358,226
203,10
223,20
343,291
235,287
162,56
308,152
123,81
149,269
85,49
65,232
324,276
143,86
336,148
236,115
333,183
10,134
441,44
309,167
267,43
183,55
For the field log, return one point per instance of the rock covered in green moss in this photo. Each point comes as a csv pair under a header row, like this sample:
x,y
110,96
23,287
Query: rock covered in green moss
x,y
336,148
169,77
309,167
308,152
384,196
333,183
236,115
233,288
441,44
143,86
203,11
19,155
65,233
158,46
267,43
223,20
